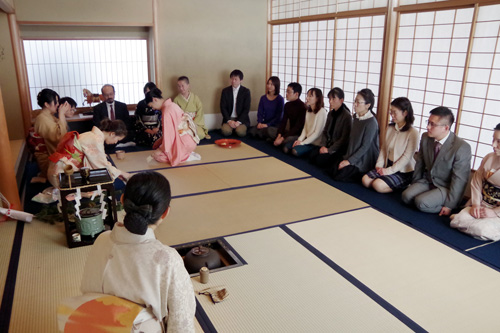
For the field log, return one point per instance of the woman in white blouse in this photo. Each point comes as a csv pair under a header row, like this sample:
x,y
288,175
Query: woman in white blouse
x,y
314,124
396,162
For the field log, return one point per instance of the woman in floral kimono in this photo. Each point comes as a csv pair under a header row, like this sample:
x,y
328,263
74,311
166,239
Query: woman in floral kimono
x,y
87,150
179,131
482,218
191,104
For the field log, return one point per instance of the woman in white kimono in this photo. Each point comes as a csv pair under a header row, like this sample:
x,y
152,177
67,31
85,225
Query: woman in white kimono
x,y
129,262
87,150
482,218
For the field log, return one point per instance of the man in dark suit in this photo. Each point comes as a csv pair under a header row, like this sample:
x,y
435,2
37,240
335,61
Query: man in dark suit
x,y
112,110
442,167
235,106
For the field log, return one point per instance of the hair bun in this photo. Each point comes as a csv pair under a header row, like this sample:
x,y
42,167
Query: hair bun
x,y
144,210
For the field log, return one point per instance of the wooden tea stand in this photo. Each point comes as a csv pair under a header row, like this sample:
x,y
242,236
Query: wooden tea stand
x,y
70,183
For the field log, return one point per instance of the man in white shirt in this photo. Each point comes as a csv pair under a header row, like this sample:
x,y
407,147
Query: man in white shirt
x,y
235,106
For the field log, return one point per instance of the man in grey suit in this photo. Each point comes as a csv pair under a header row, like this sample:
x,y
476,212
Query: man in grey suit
x,y
442,167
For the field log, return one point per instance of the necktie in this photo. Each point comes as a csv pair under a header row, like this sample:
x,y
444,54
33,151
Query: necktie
x,y
111,112
437,148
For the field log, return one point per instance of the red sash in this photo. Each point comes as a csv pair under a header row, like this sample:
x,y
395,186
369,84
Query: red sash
x,y
66,148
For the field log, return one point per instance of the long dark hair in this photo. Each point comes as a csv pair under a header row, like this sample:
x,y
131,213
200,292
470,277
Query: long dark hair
x,y
276,83
146,197
46,96
404,104
113,126
319,100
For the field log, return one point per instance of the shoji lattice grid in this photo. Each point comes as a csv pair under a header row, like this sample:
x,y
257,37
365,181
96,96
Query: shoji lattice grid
x,y
414,2
316,56
481,104
69,66
358,55
285,53
282,9
430,60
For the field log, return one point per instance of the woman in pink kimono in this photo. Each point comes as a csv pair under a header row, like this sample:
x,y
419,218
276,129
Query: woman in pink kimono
x,y
179,131
482,218
87,150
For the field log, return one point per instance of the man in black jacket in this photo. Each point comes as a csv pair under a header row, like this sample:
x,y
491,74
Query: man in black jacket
x,y
113,110
235,106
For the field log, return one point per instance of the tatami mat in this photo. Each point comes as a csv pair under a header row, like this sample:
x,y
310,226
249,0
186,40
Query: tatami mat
x,y
285,288
7,230
439,288
137,161
211,177
228,212
48,272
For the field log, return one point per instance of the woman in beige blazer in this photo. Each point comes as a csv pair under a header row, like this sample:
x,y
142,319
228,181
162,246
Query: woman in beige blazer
x,y
396,162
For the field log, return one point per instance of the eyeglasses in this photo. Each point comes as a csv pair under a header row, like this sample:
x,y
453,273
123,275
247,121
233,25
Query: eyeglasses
x,y
431,124
393,112
358,102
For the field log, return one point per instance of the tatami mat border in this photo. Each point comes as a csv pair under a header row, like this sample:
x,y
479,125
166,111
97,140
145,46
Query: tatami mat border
x,y
240,187
10,281
358,284
197,164
265,228
203,319
442,241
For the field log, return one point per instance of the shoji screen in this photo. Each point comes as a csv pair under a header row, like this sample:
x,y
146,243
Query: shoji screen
x,y
285,53
481,104
316,56
351,52
283,9
430,60
358,55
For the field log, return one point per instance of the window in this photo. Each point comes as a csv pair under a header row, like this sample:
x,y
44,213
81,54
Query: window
x,y
69,66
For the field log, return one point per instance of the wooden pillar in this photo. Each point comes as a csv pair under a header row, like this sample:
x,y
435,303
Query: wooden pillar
x,y
388,59
8,184
21,71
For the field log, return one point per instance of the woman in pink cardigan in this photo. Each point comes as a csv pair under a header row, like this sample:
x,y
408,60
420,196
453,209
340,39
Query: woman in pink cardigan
x,y
396,162
179,131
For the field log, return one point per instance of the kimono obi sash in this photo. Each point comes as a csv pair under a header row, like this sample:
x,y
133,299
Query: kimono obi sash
x,y
150,119
187,126
491,194
69,147
36,143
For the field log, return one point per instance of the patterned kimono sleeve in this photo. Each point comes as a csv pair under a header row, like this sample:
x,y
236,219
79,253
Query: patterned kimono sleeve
x,y
95,157
181,300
